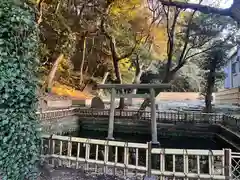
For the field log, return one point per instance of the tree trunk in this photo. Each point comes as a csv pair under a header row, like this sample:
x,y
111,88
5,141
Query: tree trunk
x,y
121,103
118,81
208,103
210,86
103,82
53,71
116,59
105,77
83,59
146,102
137,80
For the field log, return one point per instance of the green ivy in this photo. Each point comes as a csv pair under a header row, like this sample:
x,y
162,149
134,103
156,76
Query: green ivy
x,y
19,136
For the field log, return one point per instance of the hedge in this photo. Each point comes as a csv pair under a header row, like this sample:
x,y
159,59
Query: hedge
x,y
19,135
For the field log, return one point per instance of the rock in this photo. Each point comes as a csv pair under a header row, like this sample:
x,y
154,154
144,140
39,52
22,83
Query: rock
x,y
97,103
79,103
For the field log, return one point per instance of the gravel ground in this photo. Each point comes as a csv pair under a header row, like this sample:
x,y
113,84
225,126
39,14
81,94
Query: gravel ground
x,y
65,173
75,174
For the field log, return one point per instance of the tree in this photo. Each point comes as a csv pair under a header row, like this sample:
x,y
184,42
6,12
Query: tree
x,y
121,31
152,50
188,38
70,29
232,12
79,36
212,63
183,82
19,137
142,61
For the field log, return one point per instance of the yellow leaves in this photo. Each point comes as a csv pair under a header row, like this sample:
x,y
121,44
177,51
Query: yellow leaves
x,y
63,90
63,65
159,41
35,2
125,9
126,70
125,63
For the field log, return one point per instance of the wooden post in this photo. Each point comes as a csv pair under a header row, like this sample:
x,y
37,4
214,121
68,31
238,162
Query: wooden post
x,y
227,164
111,115
153,117
149,175
149,167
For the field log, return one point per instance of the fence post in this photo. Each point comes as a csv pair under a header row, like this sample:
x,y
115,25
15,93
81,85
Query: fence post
x,y
185,117
50,149
227,164
178,117
149,164
149,175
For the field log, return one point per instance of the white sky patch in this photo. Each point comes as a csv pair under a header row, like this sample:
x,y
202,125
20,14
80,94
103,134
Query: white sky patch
x,y
214,3
226,3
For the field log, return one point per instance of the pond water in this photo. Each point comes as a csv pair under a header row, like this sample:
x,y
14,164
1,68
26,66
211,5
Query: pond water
x,y
196,141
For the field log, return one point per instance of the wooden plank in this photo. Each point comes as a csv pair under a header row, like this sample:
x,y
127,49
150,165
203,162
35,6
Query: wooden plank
x,y
132,96
59,104
229,96
132,86
228,91
228,101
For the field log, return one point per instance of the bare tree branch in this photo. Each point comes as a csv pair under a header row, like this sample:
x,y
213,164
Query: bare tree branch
x,y
40,9
197,7
186,39
171,36
207,49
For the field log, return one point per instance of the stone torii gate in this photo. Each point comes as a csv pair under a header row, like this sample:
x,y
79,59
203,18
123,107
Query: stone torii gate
x,y
151,87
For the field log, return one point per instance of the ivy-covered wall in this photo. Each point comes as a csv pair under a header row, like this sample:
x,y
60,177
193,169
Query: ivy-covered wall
x,y
19,137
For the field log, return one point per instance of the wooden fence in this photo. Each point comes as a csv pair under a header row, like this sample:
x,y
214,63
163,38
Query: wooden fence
x,y
162,116
136,159
228,96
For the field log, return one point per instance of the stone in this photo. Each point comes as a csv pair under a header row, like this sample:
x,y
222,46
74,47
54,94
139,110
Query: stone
x,y
97,103
79,103
59,104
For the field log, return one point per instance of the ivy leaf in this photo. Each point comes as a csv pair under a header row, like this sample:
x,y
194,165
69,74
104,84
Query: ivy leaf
x,y
19,137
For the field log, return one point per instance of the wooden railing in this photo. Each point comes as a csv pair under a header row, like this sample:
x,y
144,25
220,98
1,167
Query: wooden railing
x,y
231,122
162,116
133,159
54,114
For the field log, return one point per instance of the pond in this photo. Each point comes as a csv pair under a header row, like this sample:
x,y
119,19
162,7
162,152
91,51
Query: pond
x,y
171,140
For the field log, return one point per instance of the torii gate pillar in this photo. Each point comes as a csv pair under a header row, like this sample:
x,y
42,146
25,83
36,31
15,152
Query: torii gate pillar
x,y
111,115
153,118
152,88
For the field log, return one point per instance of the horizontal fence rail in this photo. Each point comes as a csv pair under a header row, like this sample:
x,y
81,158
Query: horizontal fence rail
x,y
54,114
135,159
162,116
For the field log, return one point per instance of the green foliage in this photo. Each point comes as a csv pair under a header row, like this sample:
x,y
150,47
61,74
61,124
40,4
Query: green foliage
x,y
182,82
19,138
211,64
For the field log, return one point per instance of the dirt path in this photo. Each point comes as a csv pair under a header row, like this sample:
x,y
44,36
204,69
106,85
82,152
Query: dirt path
x,y
62,173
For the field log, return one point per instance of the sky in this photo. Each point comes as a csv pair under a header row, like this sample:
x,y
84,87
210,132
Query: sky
x,y
222,3
226,3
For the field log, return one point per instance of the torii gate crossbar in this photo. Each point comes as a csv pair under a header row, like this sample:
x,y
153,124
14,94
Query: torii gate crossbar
x,y
151,87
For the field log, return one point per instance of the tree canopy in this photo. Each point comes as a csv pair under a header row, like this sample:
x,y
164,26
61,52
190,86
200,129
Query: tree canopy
x,y
98,41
